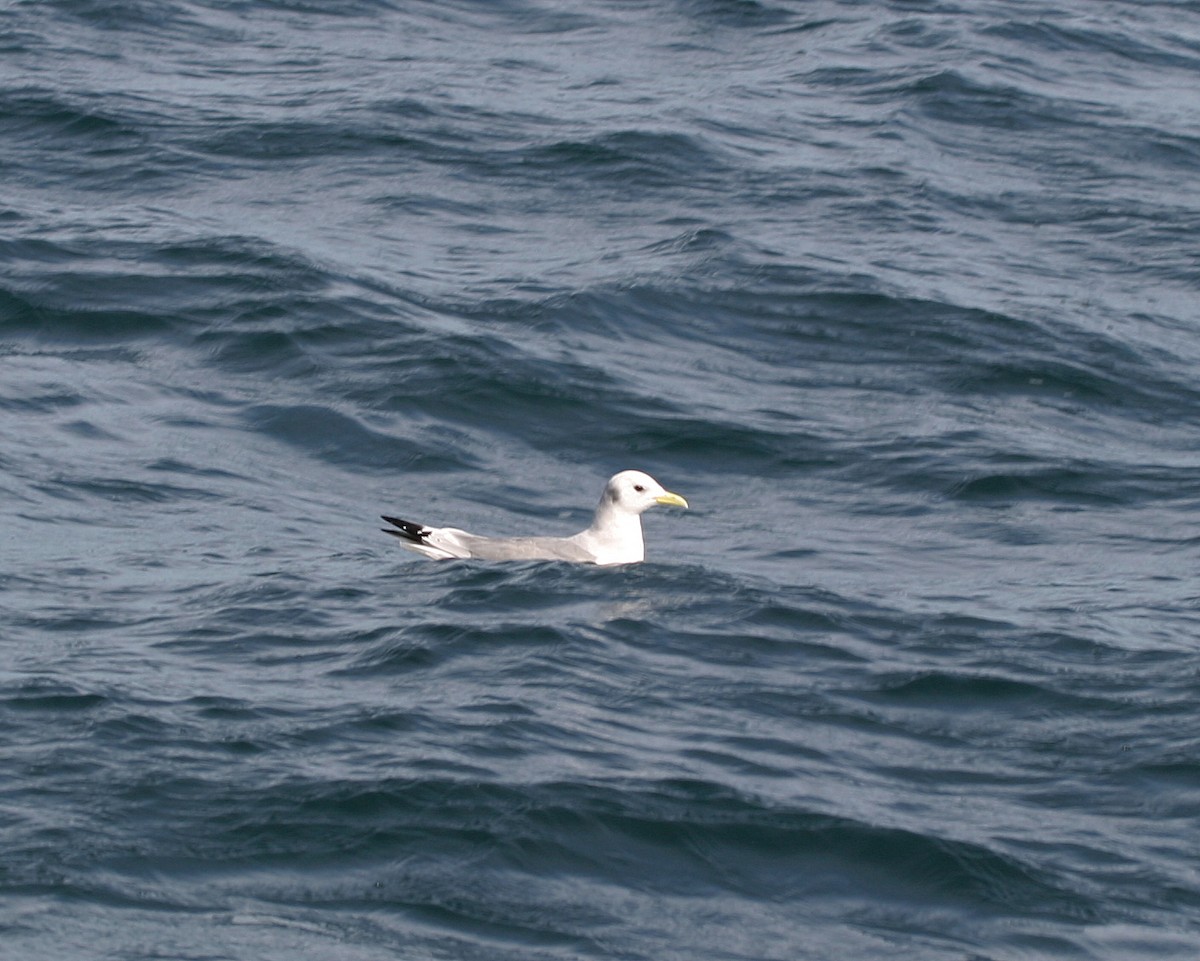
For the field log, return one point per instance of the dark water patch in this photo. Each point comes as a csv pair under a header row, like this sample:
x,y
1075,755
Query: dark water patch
x,y
423,644
30,112
123,490
417,136
412,108
53,324
916,33
1094,382
702,835
87,143
629,158
1174,781
1079,483
211,287
272,142
798,323
751,648
695,441
740,14
140,18
754,757
753,608
1052,484
240,260
66,620
177,734
517,391
1071,648
950,97
940,691
536,586
30,250
352,9
375,725
419,204
87,430
298,337
51,697
867,83
406,654
695,240
51,400
1112,43
254,600
328,435
676,837
707,617
261,639
259,351
219,708
171,465
503,392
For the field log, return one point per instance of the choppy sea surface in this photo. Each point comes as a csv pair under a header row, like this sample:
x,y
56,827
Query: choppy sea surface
x,y
903,296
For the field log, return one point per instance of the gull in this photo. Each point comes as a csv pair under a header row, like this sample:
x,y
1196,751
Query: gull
x,y
615,536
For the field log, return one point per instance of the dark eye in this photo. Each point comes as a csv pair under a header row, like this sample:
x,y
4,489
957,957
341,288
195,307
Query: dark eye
x,y
639,488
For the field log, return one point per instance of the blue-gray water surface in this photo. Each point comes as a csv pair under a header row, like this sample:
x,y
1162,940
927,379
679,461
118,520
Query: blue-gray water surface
x,y
902,295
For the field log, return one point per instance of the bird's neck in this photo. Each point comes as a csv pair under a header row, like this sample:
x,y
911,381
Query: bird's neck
x,y
618,532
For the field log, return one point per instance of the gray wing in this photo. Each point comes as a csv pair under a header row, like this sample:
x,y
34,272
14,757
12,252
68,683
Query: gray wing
x,y
443,543
528,549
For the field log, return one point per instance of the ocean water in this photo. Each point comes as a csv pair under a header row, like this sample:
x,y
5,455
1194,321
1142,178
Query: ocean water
x,y
903,296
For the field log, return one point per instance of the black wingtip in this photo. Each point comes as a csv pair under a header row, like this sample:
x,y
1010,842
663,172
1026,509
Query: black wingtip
x,y
408,531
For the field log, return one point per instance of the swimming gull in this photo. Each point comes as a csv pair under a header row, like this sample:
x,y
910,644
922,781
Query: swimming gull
x,y
615,536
